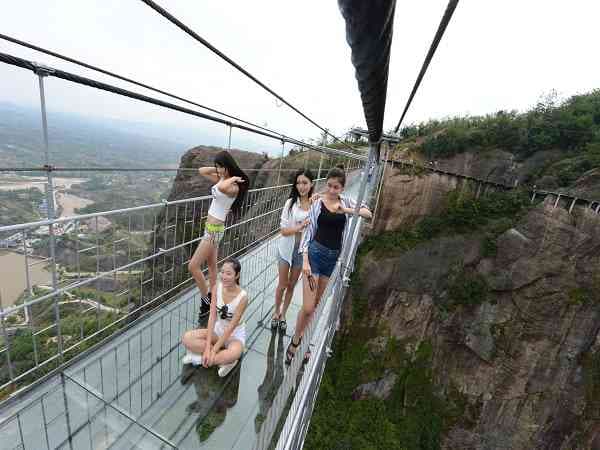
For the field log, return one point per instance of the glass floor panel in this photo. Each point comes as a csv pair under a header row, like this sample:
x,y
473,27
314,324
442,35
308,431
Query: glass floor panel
x,y
134,392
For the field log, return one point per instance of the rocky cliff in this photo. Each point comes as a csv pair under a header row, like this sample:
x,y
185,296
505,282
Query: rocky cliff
x,y
470,324
189,184
543,168
180,223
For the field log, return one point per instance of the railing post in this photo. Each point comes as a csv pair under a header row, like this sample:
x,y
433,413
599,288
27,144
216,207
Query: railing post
x,y
382,177
572,205
366,179
41,73
280,163
320,167
306,157
26,259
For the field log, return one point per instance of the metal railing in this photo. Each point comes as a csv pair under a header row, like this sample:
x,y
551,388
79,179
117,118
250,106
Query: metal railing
x,y
149,278
150,349
143,252
565,199
290,415
106,271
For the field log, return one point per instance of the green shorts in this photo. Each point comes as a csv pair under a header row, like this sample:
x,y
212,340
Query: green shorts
x,y
213,232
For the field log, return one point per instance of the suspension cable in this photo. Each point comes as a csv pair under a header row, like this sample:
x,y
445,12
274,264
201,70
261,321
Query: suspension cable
x,y
37,68
123,169
167,15
436,40
129,80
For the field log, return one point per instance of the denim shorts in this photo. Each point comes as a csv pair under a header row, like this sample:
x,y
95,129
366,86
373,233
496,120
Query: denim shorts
x,y
322,259
296,259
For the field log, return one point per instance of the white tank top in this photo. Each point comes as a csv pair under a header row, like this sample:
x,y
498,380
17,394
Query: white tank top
x,y
231,306
220,205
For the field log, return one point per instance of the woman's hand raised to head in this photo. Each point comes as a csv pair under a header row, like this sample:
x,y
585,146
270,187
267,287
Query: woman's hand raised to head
x,y
238,180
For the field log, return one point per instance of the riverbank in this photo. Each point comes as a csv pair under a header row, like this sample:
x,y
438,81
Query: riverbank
x,y
18,183
13,278
69,203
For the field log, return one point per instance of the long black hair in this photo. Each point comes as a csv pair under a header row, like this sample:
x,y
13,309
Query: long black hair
x,y
225,160
294,194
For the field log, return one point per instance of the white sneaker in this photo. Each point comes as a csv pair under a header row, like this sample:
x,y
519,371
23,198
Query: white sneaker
x,y
192,358
225,369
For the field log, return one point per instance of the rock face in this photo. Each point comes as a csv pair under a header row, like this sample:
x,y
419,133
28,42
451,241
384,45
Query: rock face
x,y
380,389
499,165
408,195
189,184
588,185
406,198
527,357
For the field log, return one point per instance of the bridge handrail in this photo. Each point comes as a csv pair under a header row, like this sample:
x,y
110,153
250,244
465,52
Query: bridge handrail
x,y
532,189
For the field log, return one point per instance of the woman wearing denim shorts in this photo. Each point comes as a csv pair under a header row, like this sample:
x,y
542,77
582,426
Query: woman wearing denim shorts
x,y
294,219
321,244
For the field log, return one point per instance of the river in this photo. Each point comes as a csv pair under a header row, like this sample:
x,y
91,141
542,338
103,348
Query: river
x,y
70,202
13,280
14,183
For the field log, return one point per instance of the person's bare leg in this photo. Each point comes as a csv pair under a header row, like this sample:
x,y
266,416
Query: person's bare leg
x,y
282,286
308,307
289,293
195,340
212,269
321,286
232,353
195,265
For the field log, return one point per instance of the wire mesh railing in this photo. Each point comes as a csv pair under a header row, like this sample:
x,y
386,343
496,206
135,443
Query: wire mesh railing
x,y
288,419
118,374
110,267
105,271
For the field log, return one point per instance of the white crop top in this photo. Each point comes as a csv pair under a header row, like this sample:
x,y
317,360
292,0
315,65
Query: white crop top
x,y
289,219
220,205
228,313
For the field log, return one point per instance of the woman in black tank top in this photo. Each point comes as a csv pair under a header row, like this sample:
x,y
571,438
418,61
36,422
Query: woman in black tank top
x,y
330,228
321,246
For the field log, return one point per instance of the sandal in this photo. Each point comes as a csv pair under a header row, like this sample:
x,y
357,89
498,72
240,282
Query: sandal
x,y
289,354
282,326
306,357
274,323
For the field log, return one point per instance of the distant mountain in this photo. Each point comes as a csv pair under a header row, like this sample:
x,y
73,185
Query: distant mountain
x,y
79,141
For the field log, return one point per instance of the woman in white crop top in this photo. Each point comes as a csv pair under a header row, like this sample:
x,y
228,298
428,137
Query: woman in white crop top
x,y
293,221
222,342
231,185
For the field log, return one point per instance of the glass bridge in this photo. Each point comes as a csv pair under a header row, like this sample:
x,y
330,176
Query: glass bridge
x,y
134,392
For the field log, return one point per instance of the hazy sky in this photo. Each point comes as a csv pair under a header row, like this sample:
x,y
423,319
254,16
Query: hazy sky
x,y
495,55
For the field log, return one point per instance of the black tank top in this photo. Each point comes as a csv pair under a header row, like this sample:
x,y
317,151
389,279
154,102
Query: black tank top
x,y
330,227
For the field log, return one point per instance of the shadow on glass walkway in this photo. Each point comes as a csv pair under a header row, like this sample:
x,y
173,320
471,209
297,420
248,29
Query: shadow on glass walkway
x,y
134,392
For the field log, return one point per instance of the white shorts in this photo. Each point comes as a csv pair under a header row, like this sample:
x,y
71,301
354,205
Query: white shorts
x,y
239,333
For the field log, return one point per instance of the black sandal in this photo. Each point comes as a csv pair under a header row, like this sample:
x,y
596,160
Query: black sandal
x,y
274,323
282,326
306,357
289,354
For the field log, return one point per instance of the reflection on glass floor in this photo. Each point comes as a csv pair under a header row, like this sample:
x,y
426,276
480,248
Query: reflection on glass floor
x,y
135,393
